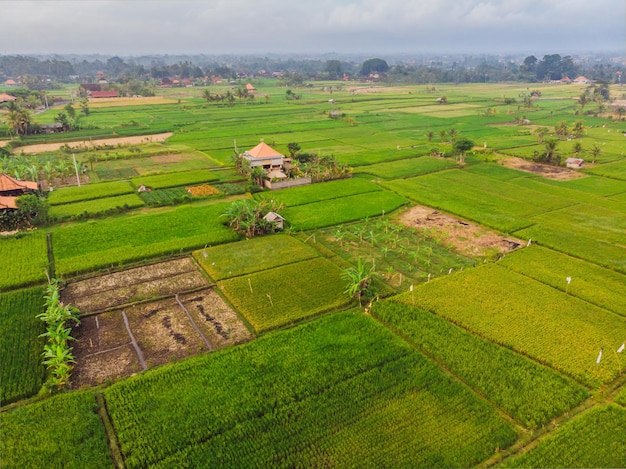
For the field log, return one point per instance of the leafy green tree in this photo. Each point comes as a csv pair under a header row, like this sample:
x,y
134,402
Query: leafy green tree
x,y
463,145
34,208
294,149
373,66
334,69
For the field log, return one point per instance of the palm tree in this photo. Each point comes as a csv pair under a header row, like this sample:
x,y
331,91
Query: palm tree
x,y
579,128
540,132
595,152
429,135
359,280
452,133
578,148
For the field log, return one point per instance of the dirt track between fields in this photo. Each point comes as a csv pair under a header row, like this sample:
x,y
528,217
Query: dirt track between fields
x,y
136,140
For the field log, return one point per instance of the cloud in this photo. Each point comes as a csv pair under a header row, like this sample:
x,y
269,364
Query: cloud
x,y
239,26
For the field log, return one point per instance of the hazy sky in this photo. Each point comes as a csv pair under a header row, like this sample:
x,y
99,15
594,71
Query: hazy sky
x,y
133,27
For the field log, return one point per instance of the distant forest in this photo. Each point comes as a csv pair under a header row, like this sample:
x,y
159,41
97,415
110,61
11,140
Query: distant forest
x,y
43,72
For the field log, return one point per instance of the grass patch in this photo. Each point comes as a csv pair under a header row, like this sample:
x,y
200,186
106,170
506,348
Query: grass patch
x,y
343,210
66,195
340,391
531,318
97,207
527,391
63,431
22,373
283,295
253,255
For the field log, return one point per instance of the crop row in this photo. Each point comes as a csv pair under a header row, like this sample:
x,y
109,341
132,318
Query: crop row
x,y
406,167
253,255
90,208
342,210
527,391
593,439
341,390
592,283
324,191
515,311
405,413
63,431
25,260
88,245
22,373
184,178
68,195
276,297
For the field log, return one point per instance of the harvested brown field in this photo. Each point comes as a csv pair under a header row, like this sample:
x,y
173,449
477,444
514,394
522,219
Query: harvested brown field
x,y
185,317
133,101
556,173
465,237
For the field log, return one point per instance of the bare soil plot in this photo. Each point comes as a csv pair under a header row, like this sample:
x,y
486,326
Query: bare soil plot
x,y
132,101
185,317
216,320
136,140
103,350
465,237
140,283
547,171
163,332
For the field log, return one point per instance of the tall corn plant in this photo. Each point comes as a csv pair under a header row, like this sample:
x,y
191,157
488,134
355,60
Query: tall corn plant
x,y
57,353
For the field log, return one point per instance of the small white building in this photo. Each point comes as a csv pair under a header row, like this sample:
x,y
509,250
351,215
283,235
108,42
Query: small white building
x,y
574,163
275,219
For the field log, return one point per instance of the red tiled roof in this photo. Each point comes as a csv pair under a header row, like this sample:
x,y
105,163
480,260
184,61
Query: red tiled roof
x,y
7,202
263,150
105,94
6,97
7,183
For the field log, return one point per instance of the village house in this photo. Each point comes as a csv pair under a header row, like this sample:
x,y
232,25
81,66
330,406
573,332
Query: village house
x,y
11,189
6,98
265,156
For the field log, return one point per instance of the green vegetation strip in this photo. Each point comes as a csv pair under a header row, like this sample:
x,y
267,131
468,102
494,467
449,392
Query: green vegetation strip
x,y
532,318
592,283
21,373
343,210
63,431
406,168
527,391
593,439
322,191
185,178
342,391
85,246
280,296
25,260
253,255
96,207
66,195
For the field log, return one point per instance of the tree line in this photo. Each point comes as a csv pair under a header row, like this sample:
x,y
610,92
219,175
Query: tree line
x,y
41,73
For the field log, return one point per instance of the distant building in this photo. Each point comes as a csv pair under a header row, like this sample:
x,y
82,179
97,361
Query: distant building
x,y
275,219
105,94
10,82
5,98
251,89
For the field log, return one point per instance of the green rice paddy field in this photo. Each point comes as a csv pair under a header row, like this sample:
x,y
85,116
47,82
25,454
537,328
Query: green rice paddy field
x,y
509,360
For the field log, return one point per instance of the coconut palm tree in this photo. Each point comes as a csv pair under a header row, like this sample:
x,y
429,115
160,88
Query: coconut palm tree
x,y
595,152
359,280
